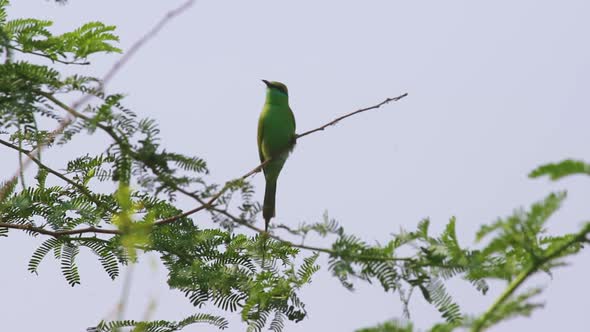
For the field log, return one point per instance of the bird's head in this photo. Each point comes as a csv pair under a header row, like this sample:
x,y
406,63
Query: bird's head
x,y
276,87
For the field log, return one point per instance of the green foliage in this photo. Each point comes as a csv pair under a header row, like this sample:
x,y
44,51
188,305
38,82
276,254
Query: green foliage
x,y
436,293
41,252
390,326
66,250
514,307
68,266
125,198
161,325
220,268
3,5
556,171
32,36
520,240
108,254
515,244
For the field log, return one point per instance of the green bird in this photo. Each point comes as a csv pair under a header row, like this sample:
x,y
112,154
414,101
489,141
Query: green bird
x,y
276,139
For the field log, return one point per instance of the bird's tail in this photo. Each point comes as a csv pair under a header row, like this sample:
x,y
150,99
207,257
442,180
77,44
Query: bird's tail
x,y
264,242
268,212
268,207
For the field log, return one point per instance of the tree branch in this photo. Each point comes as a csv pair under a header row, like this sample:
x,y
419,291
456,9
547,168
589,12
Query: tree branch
x,y
335,121
83,190
145,38
306,247
37,150
581,236
110,74
206,204
209,203
49,57
41,230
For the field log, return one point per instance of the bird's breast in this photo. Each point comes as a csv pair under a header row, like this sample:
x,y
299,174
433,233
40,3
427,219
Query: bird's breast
x,y
278,129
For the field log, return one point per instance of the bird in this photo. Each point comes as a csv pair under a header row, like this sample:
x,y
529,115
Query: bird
x,y
276,140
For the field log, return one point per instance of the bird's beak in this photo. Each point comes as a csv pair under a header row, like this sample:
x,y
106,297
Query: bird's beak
x,y
266,82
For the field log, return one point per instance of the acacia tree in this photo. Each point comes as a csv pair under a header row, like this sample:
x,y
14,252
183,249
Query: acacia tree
x,y
221,266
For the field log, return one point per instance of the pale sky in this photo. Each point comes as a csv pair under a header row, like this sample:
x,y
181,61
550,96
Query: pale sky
x,y
495,89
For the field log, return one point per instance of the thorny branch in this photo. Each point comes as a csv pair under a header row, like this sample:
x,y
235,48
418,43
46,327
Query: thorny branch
x,y
205,204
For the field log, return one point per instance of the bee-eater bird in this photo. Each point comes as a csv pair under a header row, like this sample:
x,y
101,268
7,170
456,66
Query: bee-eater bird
x,y
276,139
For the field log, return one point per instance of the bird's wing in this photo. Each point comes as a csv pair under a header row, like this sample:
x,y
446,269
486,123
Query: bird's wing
x,y
260,135
293,118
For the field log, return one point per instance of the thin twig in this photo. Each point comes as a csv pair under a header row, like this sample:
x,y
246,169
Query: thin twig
x,y
135,47
83,190
20,159
258,168
50,58
36,151
41,230
71,110
209,204
306,247
149,35
335,121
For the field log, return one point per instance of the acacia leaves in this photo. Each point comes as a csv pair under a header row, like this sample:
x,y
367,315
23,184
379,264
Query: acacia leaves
x,y
30,35
565,168
217,267
122,198
160,325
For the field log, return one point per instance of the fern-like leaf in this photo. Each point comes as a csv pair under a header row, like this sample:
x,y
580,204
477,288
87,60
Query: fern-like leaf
x,y
107,258
68,264
41,252
278,322
436,293
307,269
160,325
565,168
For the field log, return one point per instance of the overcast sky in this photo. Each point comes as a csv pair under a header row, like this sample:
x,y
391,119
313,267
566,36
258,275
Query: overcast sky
x,y
495,89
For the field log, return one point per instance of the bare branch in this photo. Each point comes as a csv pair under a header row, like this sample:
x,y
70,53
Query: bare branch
x,y
335,121
209,203
149,35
